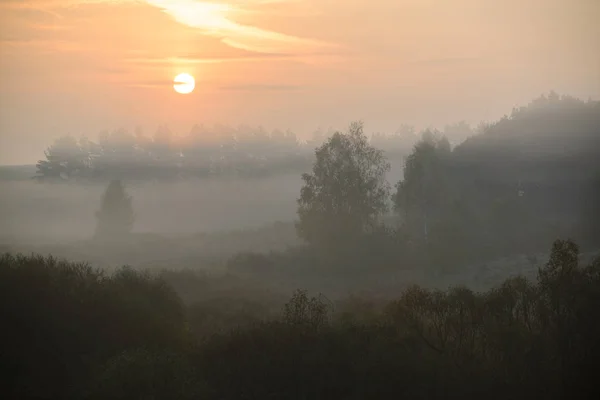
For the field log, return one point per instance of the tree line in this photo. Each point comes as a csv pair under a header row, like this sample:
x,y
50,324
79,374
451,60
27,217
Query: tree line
x,y
507,190
203,152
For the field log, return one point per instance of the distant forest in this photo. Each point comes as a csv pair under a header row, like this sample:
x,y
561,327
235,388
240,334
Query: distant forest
x,y
204,152
550,126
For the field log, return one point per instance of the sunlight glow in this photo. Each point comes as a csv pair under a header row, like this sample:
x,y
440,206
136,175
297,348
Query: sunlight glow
x,y
214,19
184,83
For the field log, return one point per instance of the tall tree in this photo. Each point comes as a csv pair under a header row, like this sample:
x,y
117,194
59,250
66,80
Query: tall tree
x,y
346,192
424,189
115,217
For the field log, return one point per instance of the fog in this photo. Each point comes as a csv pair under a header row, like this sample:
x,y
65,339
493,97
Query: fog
x,y
210,219
181,224
66,212
197,203
153,256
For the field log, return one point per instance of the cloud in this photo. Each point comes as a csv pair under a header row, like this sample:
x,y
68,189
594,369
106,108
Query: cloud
x,y
210,18
192,59
261,87
43,46
151,84
197,59
447,61
214,19
49,27
49,4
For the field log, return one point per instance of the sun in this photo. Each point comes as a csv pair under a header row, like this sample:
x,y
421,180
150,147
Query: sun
x,y
184,83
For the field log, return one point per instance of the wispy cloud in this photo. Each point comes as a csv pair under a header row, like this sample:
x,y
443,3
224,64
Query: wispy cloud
x,y
42,46
443,62
214,19
57,4
261,87
150,84
196,59
49,27
210,18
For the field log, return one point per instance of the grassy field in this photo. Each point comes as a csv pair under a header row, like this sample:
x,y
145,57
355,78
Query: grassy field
x,y
16,172
195,223
66,211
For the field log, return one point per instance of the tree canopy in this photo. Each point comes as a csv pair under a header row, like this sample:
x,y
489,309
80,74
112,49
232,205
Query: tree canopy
x,y
346,193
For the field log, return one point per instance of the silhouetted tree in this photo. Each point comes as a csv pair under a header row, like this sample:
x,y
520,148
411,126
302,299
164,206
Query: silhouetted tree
x,y
115,217
346,192
425,187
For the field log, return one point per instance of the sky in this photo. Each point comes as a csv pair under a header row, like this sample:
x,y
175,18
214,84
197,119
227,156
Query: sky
x,y
83,66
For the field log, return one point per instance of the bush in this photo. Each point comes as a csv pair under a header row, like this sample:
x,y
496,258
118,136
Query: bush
x,y
115,217
142,374
63,319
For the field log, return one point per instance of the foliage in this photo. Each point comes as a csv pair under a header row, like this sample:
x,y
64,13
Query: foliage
x,y
509,188
64,160
115,217
64,319
124,336
425,190
304,311
142,374
346,193
426,344
400,142
203,152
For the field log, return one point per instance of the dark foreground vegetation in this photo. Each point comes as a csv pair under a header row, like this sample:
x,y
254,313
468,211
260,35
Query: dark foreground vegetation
x,y
72,332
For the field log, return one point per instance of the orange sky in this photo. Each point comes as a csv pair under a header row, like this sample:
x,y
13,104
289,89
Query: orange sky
x,y
82,66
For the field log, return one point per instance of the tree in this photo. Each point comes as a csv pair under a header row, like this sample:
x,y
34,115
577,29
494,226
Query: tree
x,y
346,192
304,311
115,217
424,189
65,158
